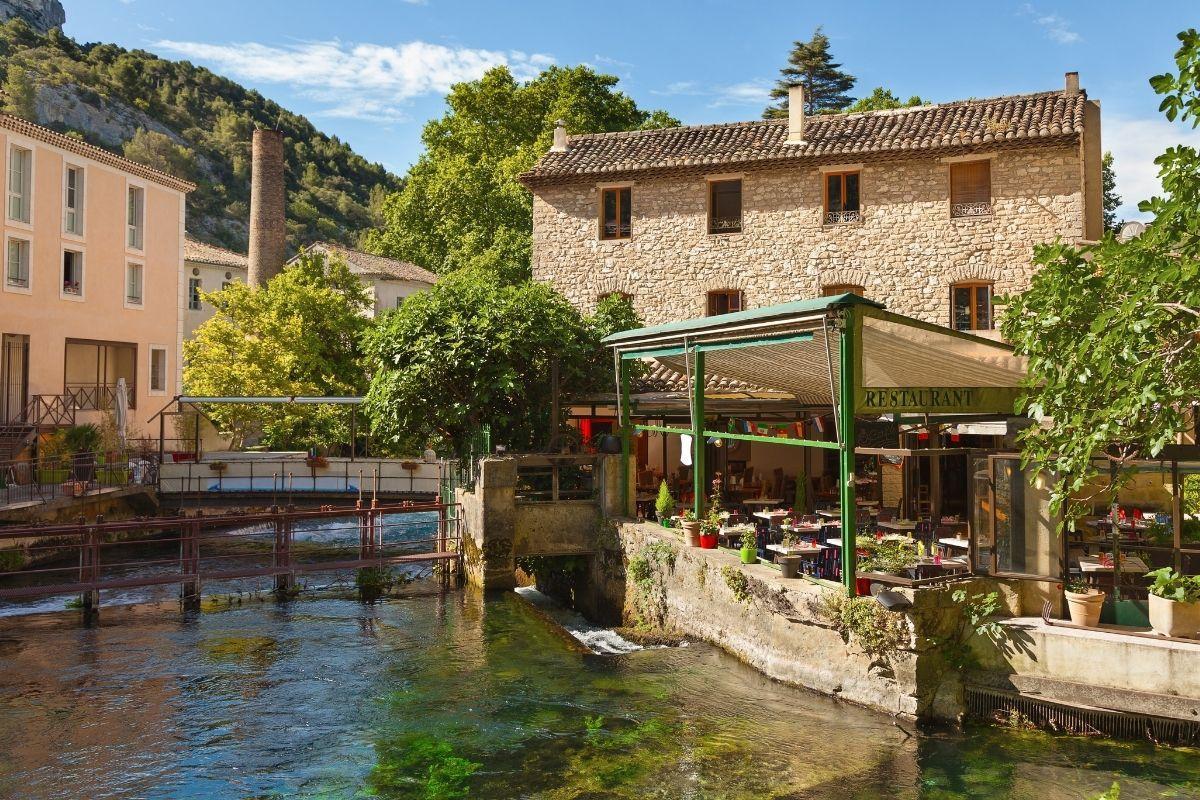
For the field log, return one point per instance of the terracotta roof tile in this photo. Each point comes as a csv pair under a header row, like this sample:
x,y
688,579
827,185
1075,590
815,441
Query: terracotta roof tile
x,y
205,253
362,263
966,124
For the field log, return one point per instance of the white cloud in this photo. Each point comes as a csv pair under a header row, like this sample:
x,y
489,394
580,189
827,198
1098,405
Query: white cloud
x,y
1052,25
1135,143
361,81
747,93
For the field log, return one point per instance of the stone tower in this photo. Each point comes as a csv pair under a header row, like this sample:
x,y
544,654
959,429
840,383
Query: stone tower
x,y
268,233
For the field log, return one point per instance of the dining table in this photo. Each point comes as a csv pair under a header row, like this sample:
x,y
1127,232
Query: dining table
x,y
897,525
1129,564
763,502
955,542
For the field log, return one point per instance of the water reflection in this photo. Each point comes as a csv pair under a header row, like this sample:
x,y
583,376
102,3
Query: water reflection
x,y
451,696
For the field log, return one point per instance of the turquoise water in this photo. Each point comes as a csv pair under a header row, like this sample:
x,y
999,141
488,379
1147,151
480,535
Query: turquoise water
x,y
453,696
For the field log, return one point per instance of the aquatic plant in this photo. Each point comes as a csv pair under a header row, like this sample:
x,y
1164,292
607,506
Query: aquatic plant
x,y
419,766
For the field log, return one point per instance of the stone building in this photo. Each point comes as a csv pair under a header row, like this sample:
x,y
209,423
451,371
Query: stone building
x,y
932,210
208,269
387,280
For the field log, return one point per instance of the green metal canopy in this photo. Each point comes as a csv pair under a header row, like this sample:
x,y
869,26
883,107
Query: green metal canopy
x,y
845,352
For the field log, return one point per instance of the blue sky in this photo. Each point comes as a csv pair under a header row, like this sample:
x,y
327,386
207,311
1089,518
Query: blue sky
x,y
373,71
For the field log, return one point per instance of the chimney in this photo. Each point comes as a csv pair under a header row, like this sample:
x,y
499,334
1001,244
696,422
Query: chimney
x,y
795,115
560,137
1072,86
268,233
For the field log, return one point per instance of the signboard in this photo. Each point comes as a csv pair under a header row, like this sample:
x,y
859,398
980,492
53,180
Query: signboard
x,y
936,399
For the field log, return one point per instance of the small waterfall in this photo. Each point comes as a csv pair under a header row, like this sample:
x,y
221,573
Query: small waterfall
x,y
600,641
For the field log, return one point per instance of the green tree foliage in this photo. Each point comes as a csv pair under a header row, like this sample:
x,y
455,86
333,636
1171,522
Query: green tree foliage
x,y
825,84
211,120
881,99
1112,200
471,352
1111,330
461,204
298,335
156,150
19,93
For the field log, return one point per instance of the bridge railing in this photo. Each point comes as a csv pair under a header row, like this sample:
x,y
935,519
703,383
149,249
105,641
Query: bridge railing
x,y
87,558
47,477
286,475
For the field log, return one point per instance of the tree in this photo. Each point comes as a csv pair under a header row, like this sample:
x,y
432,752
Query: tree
x,y
20,94
825,84
1112,200
471,352
881,99
298,335
461,204
157,150
1112,330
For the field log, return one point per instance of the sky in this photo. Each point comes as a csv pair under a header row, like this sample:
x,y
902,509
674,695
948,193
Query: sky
x,y
372,72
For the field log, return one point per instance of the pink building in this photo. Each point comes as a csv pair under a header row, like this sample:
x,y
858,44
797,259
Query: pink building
x,y
93,282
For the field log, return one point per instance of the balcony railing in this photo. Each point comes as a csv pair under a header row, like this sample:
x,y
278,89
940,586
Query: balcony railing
x,y
971,210
842,217
97,397
718,225
19,281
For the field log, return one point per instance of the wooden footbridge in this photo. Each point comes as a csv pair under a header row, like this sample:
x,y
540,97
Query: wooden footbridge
x,y
89,557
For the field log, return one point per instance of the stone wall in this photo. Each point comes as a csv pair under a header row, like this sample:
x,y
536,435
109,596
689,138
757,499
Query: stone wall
x,y
906,251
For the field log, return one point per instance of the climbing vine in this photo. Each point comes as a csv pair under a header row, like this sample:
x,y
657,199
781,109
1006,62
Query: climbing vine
x,y
880,633
646,571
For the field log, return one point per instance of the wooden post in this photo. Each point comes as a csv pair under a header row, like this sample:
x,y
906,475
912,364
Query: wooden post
x,y
189,549
283,554
88,572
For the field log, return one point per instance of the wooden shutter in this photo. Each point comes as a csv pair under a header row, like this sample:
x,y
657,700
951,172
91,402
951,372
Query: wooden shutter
x,y
971,182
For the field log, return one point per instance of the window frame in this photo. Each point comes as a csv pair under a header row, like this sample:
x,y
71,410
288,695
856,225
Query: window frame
x,y
835,289
712,183
130,187
80,200
604,190
197,303
857,212
62,265
141,301
151,350
960,210
28,287
728,294
974,286
25,222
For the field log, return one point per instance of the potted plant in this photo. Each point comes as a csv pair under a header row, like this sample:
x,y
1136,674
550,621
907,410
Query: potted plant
x,y
691,529
1084,602
82,442
789,564
217,466
750,546
708,532
664,505
1174,603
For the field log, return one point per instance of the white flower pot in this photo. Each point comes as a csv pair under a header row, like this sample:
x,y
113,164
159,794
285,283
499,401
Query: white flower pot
x,y
1175,619
1085,608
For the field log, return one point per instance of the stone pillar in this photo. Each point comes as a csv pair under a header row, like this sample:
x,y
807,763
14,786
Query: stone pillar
x,y
268,229
489,515
608,477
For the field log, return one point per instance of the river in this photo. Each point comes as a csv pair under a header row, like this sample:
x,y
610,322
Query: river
x,y
447,696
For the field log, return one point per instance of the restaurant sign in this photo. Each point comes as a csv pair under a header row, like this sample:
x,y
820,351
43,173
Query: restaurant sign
x,y
951,400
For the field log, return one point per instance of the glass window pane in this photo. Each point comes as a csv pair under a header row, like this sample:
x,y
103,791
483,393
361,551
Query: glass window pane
x,y
852,192
983,307
610,213
960,308
725,207
626,214
833,192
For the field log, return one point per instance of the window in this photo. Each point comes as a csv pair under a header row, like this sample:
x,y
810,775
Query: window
x,y
72,273
971,306
725,206
724,301
615,218
135,217
834,289
841,197
971,189
73,201
16,272
195,286
158,369
133,284
20,183
226,284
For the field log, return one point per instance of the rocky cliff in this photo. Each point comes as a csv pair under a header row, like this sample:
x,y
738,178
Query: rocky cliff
x,y
42,15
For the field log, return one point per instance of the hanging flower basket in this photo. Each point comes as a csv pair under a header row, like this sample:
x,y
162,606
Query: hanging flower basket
x,y
411,466
316,462
218,466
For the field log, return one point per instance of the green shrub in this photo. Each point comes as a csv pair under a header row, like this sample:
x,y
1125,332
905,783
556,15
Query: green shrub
x,y
665,504
879,632
737,582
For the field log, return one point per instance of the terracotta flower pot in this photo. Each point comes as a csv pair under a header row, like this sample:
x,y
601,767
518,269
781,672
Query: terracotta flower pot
x,y
1085,607
691,533
1175,619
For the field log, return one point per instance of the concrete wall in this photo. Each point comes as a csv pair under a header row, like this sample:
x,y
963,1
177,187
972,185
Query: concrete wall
x,y
49,316
906,251
268,472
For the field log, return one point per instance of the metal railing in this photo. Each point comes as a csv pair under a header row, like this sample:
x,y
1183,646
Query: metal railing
x,y
97,397
970,209
50,477
842,217
86,558
284,477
